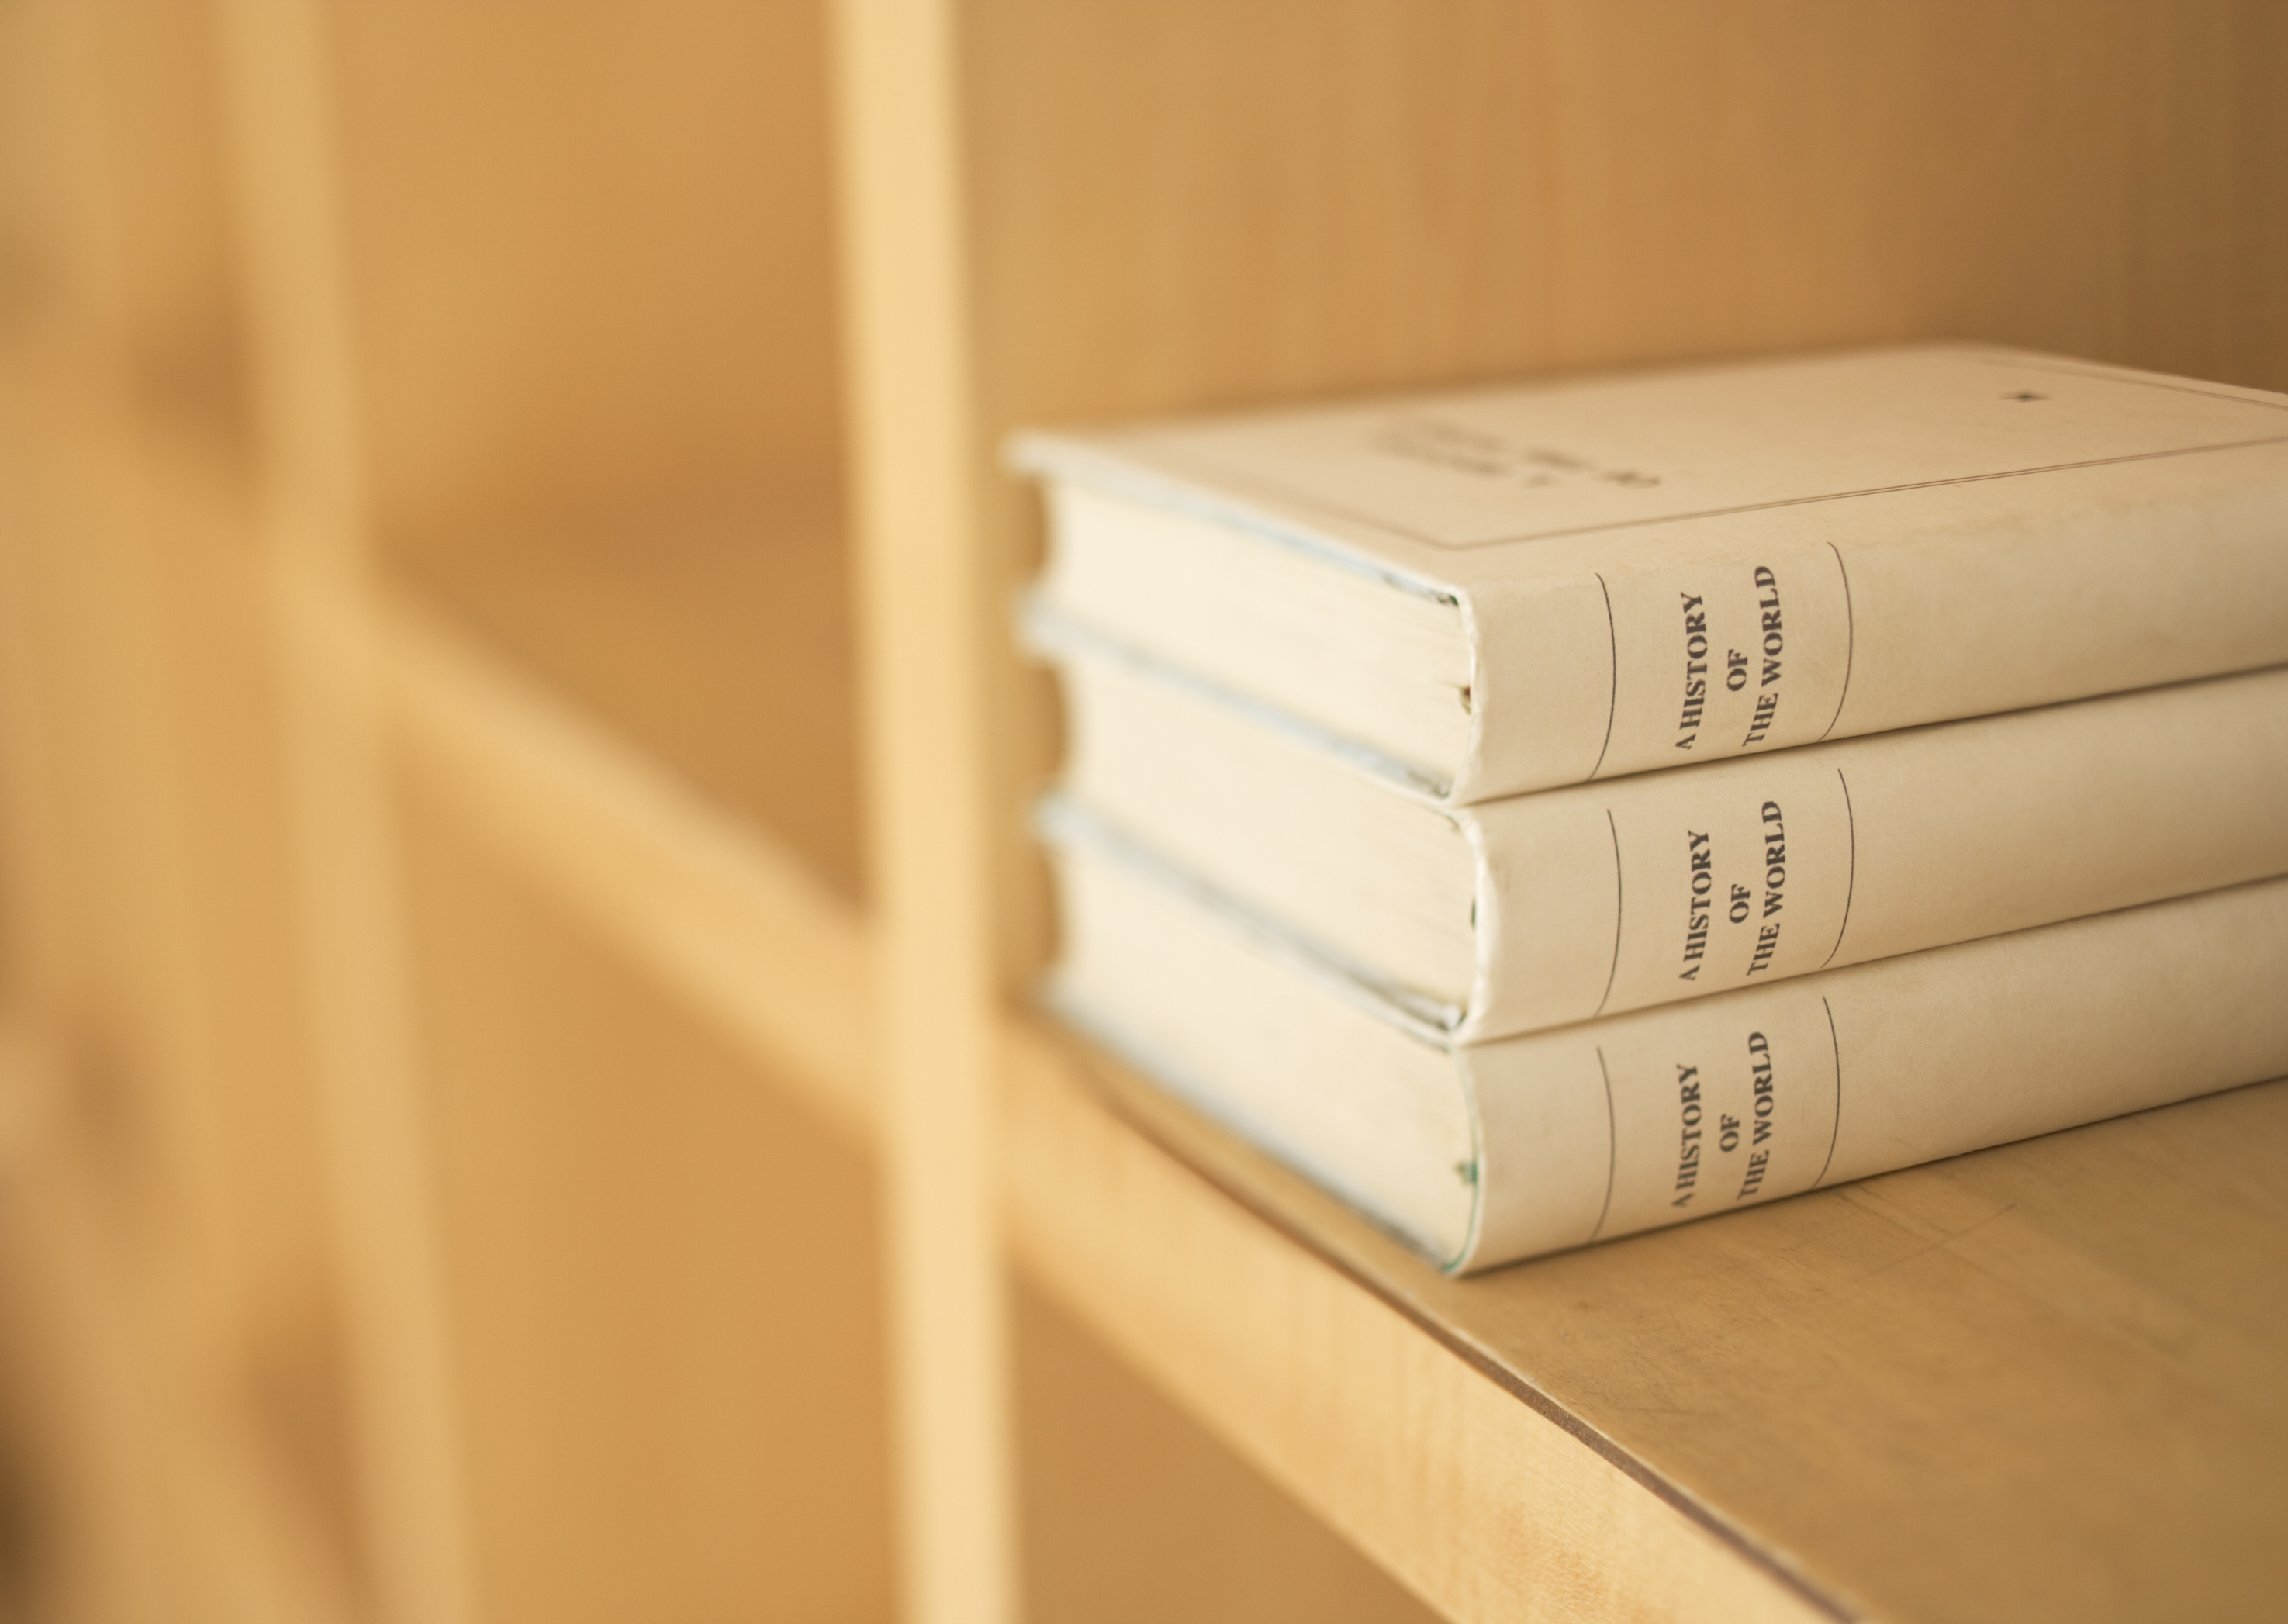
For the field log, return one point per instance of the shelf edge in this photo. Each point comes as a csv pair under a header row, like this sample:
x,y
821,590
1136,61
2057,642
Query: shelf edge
x,y
1403,1440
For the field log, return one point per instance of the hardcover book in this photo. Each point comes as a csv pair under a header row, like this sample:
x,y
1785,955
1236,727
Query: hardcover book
x,y
1541,910
1486,1153
1487,591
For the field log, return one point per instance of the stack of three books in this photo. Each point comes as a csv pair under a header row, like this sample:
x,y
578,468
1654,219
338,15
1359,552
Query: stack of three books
x,y
1542,814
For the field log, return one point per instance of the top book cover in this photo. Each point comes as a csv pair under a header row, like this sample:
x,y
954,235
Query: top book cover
x,y
1486,590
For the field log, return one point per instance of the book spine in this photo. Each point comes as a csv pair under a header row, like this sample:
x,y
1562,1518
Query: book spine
x,y
1744,634
1667,1115
1603,898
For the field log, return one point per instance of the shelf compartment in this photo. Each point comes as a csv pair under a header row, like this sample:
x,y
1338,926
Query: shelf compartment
x,y
593,290
739,926
663,1277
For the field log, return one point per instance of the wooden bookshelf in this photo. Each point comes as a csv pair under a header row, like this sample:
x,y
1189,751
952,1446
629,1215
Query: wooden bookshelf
x,y
517,1085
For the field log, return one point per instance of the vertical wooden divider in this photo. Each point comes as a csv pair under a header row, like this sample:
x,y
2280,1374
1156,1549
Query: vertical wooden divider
x,y
316,515
921,623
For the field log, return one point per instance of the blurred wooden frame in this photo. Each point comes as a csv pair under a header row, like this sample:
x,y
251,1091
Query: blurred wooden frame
x,y
614,477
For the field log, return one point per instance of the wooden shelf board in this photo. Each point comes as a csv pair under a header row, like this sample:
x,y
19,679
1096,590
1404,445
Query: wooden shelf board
x,y
1324,1377
719,910
2040,1381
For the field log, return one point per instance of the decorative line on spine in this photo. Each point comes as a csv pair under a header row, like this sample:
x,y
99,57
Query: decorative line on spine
x,y
1851,878
1613,696
1614,970
1835,1047
1612,1150
1850,640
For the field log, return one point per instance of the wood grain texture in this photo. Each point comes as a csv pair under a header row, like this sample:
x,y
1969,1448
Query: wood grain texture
x,y
1475,1499
1188,204
2037,1382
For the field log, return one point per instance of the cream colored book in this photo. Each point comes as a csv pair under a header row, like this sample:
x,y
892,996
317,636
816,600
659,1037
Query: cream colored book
x,y
1489,591
1483,1154
1541,910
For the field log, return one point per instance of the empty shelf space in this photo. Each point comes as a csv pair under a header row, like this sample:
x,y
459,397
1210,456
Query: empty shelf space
x,y
733,922
721,646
